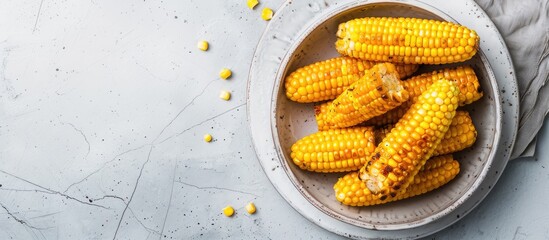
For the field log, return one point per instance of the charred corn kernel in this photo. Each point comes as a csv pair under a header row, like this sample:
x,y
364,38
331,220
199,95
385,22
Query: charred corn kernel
x,y
377,92
252,3
419,147
267,14
460,135
250,208
228,211
225,73
406,40
465,77
207,138
328,79
435,173
203,45
336,150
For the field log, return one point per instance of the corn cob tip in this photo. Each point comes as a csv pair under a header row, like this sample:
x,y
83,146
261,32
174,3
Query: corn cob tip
x,y
372,183
392,82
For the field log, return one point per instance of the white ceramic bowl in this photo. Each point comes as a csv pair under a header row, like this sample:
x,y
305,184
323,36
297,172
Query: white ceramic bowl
x,y
290,121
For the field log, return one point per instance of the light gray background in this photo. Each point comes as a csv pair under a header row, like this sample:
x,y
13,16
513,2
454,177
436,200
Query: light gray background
x,y
103,105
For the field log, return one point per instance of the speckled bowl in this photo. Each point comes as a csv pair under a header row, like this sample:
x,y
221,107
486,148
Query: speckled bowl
x,y
290,121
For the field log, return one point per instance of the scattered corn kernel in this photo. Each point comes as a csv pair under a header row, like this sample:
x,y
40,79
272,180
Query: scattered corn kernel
x,y
267,14
228,211
203,45
252,3
208,138
225,95
225,73
250,208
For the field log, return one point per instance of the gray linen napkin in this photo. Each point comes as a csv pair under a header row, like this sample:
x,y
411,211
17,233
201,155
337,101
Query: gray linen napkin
x,y
524,26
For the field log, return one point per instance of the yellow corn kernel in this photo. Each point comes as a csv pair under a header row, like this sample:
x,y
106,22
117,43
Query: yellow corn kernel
x,y
267,14
388,182
328,79
377,92
252,3
225,73
228,211
465,77
250,208
207,138
435,173
406,40
203,45
225,95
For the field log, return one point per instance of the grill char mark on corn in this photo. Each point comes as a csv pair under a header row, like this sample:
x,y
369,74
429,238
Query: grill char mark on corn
x,y
464,76
436,172
412,141
406,40
377,92
348,149
327,79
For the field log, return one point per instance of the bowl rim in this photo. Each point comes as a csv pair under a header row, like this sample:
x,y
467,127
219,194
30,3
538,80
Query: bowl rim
x,y
263,144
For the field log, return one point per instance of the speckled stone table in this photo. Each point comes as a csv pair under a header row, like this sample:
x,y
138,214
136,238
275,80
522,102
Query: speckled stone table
x,y
103,105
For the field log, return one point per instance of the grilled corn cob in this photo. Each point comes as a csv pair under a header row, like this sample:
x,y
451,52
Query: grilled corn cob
x,y
406,40
460,135
350,190
348,149
327,79
336,150
412,141
377,92
464,76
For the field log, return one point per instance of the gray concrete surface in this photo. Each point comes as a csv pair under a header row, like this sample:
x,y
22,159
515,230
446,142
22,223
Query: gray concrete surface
x,y
103,109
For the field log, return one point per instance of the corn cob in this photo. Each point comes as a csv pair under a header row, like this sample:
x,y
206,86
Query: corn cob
x,y
377,92
327,79
412,141
348,149
460,135
406,40
337,150
351,191
464,76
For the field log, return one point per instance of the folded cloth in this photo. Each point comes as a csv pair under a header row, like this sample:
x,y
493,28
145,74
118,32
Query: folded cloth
x,y
524,26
